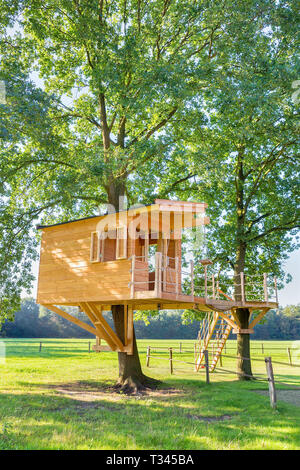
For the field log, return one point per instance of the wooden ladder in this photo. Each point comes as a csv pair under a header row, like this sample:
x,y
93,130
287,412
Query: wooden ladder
x,y
207,329
221,344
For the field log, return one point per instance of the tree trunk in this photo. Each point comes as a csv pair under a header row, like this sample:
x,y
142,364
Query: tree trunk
x,y
131,377
243,340
243,346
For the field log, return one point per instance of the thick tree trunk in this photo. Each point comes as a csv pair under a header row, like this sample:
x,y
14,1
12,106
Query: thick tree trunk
x,y
243,340
243,346
131,377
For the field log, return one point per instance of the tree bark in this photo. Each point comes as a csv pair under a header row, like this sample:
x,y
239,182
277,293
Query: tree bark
x,y
243,314
131,377
243,346
243,340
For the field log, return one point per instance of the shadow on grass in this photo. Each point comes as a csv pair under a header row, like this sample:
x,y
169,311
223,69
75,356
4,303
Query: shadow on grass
x,y
86,414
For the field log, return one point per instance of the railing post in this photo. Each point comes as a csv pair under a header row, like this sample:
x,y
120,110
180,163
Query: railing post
x,y
205,281
275,287
213,286
158,257
132,276
266,287
177,274
242,286
271,382
192,276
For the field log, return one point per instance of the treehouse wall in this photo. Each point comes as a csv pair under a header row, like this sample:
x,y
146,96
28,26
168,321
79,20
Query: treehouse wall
x,y
66,275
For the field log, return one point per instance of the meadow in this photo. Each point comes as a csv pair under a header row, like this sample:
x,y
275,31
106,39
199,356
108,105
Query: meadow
x,y
62,397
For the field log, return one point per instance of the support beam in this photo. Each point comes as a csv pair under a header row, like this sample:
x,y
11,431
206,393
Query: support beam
x,y
259,317
101,332
114,337
228,320
72,319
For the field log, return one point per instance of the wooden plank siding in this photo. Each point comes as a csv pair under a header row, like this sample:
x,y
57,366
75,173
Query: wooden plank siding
x,y
66,274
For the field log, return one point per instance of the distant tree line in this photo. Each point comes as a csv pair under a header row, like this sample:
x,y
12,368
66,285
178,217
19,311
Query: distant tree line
x,y
34,321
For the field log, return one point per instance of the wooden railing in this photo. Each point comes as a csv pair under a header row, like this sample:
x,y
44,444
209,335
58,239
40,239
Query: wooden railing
x,y
179,280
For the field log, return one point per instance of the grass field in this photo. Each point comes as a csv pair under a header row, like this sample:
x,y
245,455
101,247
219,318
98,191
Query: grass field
x,y
61,398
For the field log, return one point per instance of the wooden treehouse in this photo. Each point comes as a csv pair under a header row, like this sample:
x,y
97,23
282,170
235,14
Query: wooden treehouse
x,y
134,258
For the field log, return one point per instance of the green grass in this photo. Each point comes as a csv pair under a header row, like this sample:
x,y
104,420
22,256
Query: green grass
x,y
60,398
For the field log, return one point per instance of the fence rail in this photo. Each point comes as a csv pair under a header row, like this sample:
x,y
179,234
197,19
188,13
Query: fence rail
x,y
269,377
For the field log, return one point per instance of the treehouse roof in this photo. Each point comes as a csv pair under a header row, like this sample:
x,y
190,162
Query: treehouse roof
x,y
183,213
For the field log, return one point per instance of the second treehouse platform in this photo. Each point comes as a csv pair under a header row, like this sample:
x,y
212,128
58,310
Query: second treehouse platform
x,y
134,258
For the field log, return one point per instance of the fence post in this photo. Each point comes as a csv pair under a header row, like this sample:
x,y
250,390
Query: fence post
x,y
148,356
262,348
89,346
40,347
221,361
271,382
290,357
180,347
205,352
171,360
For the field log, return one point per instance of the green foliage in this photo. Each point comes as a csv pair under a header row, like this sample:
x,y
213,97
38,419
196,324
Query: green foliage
x,y
32,321
143,99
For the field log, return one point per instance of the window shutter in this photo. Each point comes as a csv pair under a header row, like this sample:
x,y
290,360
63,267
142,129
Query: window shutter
x,y
121,250
94,252
97,247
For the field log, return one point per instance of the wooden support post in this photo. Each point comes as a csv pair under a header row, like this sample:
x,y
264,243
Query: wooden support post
x,y
129,347
132,276
148,356
242,286
213,286
270,374
221,359
266,287
40,347
290,357
192,277
205,352
180,348
89,346
171,360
